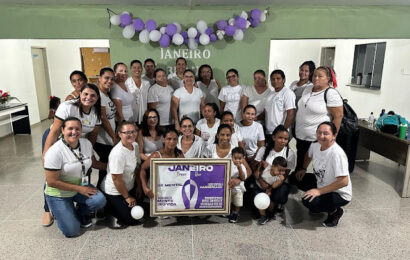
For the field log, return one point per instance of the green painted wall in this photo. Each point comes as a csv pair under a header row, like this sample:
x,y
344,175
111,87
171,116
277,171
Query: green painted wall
x,y
91,22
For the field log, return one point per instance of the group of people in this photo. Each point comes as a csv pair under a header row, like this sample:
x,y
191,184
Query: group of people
x,y
130,119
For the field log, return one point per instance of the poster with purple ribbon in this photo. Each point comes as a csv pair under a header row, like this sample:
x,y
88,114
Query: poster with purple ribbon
x,y
190,187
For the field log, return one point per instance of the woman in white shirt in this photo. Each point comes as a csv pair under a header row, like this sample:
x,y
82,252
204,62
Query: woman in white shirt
x,y
119,185
333,188
123,99
256,94
159,97
210,87
207,126
230,95
190,144
150,135
139,88
305,79
313,110
66,164
187,101
252,133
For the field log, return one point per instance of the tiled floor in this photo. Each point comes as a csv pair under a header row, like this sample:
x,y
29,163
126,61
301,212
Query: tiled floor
x,y
376,224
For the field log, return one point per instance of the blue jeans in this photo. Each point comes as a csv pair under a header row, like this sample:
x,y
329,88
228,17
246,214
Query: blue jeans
x,y
43,141
67,215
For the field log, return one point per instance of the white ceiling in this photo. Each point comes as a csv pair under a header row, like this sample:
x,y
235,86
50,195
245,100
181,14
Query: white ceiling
x,y
193,3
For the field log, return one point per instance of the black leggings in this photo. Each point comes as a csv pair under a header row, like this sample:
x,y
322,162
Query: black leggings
x,y
325,203
103,152
302,147
118,207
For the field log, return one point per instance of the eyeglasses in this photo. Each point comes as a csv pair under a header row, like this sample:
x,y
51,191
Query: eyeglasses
x,y
129,132
152,118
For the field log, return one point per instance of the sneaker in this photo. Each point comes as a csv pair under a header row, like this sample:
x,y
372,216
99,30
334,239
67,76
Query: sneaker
x,y
263,220
270,215
85,222
333,220
115,224
233,218
280,208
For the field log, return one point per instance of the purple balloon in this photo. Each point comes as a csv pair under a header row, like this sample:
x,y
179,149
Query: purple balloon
x,y
138,25
209,31
240,22
185,36
126,19
256,14
150,25
212,37
197,37
164,40
171,29
122,25
221,24
230,30
254,22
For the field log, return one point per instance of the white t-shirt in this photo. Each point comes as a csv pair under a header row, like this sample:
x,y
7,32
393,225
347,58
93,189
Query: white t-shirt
x,y
162,96
277,104
189,104
110,109
210,152
60,157
151,146
312,111
207,132
232,98
256,99
299,90
330,164
195,151
251,135
127,101
235,174
140,96
210,92
235,137
88,121
174,81
151,81
268,177
291,158
121,161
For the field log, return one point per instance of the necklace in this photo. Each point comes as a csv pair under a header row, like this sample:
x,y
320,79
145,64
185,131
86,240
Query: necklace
x,y
316,94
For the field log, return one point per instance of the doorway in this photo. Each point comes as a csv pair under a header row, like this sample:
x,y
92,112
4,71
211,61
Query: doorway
x,y
42,81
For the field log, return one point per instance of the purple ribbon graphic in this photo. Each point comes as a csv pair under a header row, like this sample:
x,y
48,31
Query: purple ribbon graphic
x,y
190,194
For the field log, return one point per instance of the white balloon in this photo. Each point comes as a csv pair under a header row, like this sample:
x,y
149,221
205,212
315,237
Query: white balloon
x,y
137,212
192,44
178,27
261,201
128,32
248,24
125,12
263,17
244,15
177,39
220,34
154,35
201,26
115,20
204,39
238,35
231,21
144,36
162,30
192,32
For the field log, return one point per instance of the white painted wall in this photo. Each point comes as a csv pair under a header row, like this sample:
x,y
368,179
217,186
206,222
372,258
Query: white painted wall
x,y
394,93
16,69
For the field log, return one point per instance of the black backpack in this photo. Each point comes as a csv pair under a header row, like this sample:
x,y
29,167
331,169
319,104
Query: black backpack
x,y
350,122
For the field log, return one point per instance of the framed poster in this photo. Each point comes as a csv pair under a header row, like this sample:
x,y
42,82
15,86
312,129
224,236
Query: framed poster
x,y
191,187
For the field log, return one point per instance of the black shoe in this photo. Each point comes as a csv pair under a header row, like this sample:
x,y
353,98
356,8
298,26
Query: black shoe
x,y
333,220
85,221
233,218
270,215
115,224
263,220
280,208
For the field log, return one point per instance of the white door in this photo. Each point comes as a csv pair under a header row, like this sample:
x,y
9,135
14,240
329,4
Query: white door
x,y
42,81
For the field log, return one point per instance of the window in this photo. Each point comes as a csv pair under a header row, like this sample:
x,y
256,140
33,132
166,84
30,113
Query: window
x,y
368,65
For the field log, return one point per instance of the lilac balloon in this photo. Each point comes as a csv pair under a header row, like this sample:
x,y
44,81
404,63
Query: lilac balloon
x,y
125,19
221,24
230,30
122,25
171,29
212,37
185,35
256,14
150,25
197,37
164,41
240,23
138,24
209,31
254,22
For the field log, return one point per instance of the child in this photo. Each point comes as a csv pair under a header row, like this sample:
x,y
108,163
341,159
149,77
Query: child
x,y
271,178
54,103
236,184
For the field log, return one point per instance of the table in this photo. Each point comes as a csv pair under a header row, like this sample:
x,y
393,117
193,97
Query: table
x,y
387,145
18,117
